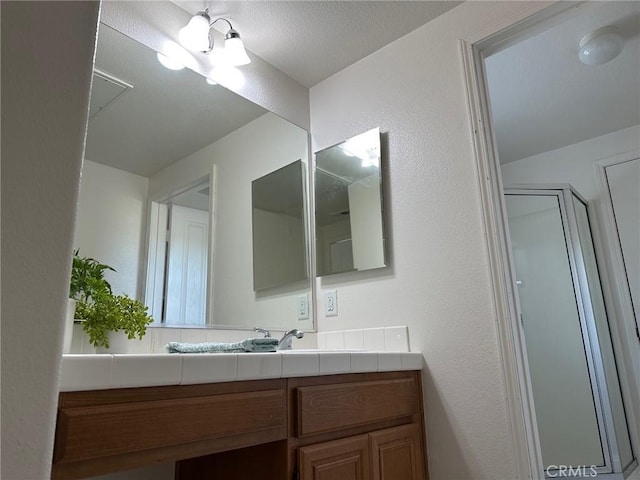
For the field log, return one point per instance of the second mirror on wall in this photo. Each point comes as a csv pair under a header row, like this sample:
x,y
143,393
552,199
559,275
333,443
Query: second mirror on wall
x,y
350,234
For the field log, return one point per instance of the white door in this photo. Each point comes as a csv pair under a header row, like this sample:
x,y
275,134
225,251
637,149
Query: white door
x,y
187,266
623,180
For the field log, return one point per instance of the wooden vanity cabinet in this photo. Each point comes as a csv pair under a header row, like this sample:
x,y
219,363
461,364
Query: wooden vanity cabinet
x,y
103,431
390,454
366,426
375,420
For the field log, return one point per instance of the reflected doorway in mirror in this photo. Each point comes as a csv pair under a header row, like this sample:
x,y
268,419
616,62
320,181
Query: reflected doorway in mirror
x,y
178,257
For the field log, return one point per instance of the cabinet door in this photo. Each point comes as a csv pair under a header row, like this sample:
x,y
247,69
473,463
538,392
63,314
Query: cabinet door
x,y
345,459
397,454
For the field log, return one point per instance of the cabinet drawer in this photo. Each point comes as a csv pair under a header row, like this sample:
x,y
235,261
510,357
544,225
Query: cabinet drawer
x,y
86,432
325,408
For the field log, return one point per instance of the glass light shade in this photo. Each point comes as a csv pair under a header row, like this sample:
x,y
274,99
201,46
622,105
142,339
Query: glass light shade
x,y
227,76
234,49
600,46
195,35
170,62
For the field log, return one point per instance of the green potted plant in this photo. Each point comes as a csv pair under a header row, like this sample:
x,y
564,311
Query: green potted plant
x,y
102,313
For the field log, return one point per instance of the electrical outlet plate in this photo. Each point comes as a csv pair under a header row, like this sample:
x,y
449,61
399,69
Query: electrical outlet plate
x,y
331,303
302,306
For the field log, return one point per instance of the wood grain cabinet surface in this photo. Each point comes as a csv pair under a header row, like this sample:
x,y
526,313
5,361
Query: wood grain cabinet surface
x,y
344,459
367,426
391,454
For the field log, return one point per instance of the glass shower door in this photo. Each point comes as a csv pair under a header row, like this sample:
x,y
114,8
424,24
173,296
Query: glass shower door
x,y
574,379
622,457
564,399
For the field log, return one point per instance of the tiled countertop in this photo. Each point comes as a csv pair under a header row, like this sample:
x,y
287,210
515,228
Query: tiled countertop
x,y
97,372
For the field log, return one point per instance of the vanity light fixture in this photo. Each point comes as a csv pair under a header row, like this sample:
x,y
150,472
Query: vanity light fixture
x,y
600,46
196,36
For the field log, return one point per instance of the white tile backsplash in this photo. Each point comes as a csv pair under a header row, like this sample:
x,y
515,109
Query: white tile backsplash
x,y
193,335
162,336
380,339
321,340
334,340
140,346
309,341
383,349
215,335
396,339
374,339
354,339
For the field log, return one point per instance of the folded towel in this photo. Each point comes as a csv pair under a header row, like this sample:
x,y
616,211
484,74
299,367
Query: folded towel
x,y
247,345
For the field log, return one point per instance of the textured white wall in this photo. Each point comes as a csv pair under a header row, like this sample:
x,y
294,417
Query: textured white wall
x,y
111,222
242,156
438,282
573,164
46,74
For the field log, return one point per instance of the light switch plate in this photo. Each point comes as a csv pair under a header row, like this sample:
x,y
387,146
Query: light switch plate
x,y
331,303
302,306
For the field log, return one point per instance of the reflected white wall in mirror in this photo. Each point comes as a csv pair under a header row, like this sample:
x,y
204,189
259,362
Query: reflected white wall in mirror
x,y
155,134
349,208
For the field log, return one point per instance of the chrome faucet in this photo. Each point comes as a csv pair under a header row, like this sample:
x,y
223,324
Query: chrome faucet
x,y
285,341
264,331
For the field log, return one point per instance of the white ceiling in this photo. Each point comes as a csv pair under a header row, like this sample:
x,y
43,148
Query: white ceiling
x,y
311,40
543,98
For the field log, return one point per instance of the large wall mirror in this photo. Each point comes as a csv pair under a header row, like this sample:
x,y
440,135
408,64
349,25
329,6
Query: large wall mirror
x,y
349,217
166,192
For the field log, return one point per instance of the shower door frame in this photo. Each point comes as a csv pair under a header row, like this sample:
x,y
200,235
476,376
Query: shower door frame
x,y
564,194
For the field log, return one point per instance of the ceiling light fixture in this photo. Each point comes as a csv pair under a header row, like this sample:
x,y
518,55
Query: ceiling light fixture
x,y
196,36
600,46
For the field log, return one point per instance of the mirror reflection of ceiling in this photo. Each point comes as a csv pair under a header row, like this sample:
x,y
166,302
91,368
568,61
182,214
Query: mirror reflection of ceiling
x,y
336,169
166,116
311,40
544,98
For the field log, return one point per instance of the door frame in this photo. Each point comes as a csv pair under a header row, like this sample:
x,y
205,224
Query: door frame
x,y
528,21
623,332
